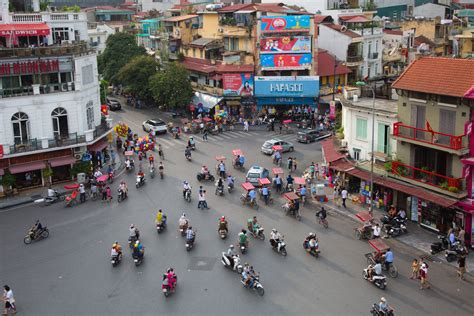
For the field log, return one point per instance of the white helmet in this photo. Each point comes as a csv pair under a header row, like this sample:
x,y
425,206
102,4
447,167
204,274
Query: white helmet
x,y
132,226
184,215
231,246
274,230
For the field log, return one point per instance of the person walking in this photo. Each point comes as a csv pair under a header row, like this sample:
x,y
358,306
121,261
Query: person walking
x,y
424,276
246,126
462,265
415,268
280,127
294,163
289,164
9,300
104,195
204,135
108,191
344,194
82,191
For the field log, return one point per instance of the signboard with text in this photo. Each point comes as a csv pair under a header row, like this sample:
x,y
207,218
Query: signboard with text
x,y
237,84
286,44
29,67
287,87
296,23
285,61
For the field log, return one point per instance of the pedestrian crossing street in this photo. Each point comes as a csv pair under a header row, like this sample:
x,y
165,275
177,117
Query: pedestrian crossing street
x,y
167,141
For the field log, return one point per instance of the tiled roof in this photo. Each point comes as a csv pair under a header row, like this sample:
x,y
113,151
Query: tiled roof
x,y
199,65
469,94
318,18
438,75
393,32
424,40
354,18
330,154
234,68
337,28
180,18
234,8
326,65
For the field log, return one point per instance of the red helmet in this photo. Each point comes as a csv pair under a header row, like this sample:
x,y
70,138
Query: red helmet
x,y
222,218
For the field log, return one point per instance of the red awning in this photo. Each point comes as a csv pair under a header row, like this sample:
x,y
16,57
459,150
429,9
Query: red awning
x,y
30,166
62,161
342,165
31,29
329,151
98,146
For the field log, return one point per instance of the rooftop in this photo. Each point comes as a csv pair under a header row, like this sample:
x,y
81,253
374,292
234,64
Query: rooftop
x,y
354,18
393,32
181,18
322,18
438,75
326,65
203,42
261,7
343,31
384,106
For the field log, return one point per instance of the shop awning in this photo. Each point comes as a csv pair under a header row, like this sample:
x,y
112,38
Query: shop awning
x,y
207,101
330,154
98,146
62,161
30,166
30,29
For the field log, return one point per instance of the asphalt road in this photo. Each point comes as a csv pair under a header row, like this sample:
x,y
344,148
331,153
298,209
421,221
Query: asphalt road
x,y
70,272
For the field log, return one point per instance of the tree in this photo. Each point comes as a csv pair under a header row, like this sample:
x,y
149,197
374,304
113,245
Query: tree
x,y
136,74
120,49
104,86
152,14
171,87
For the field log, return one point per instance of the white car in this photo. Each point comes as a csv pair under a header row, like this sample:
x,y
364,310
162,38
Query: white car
x,y
267,146
155,125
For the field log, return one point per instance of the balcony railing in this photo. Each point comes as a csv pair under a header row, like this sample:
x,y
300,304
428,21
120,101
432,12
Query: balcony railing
x,y
52,50
430,137
68,140
47,16
367,31
43,89
423,175
373,55
29,145
354,59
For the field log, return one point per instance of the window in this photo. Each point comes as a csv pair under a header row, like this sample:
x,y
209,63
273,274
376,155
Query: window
x,y
87,75
21,128
207,81
231,44
361,129
369,49
60,126
356,154
90,115
60,34
194,52
200,54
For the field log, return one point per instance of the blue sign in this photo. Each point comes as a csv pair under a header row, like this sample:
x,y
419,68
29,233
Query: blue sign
x,y
298,87
286,101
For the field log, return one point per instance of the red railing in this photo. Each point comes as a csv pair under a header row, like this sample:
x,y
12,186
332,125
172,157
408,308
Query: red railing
x,y
430,137
429,177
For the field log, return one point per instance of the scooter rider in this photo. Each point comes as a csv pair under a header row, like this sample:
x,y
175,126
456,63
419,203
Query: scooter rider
x,y
243,241
51,192
183,221
322,214
36,228
223,225
116,250
134,232
230,181
275,238
220,185
127,164
374,270
252,224
383,306
187,152
231,253
141,176
190,235
160,217
138,249
191,142
123,188
186,187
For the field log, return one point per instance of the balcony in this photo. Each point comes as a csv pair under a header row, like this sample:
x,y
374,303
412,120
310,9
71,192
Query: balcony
x,y
237,30
43,89
429,179
372,56
354,59
48,17
368,31
456,145
30,145
52,50
207,89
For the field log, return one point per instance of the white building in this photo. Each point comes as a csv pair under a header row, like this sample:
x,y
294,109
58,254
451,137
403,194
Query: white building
x,y
357,122
49,98
98,36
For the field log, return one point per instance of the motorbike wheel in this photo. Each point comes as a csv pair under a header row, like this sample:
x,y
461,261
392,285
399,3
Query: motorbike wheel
x,y
211,178
393,271
255,206
382,286
119,198
62,197
188,199
261,236
260,291
167,294
283,252
45,233
27,240
199,178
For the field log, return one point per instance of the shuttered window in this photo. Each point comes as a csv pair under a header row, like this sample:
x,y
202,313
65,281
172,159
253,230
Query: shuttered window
x,y
361,129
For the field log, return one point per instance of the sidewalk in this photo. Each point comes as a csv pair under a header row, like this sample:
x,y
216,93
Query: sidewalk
x,y
416,237
30,195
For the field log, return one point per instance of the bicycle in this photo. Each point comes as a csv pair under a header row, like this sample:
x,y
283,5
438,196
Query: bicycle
x,y
324,222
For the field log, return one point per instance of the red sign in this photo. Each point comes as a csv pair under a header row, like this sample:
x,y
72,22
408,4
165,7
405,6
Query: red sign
x,y
24,33
1,151
238,84
29,67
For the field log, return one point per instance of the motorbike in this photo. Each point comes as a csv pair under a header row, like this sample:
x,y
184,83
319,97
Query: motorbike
x,y
456,250
279,247
138,259
257,286
259,233
379,281
187,196
166,288
48,200
220,190
230,187
131,167
395,230
190,243
188,156
132,240
375,311
183,229
439,246
161,226
152,172
115,260
140,181
223,233
202,177
314,252
243,247
235,265
121,195
192,146
31,236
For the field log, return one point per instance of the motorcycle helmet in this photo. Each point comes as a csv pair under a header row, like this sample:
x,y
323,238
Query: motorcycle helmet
x,y
222,218
190,227
132,226
137,243
274,230
382,299
231,246
185,182
184,215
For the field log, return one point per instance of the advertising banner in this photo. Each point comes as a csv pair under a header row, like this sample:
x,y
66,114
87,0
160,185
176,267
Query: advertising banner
x,y
285,61
238,84
286,44
307,86
297,23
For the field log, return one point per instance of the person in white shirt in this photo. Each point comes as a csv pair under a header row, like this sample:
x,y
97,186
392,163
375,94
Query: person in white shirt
x,y
98,173
344,194
9,300
377,230
51,192
186,187
246,126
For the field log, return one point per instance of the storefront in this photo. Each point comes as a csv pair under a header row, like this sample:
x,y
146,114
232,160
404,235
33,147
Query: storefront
x,y
28,175
61,168
24,35
287,93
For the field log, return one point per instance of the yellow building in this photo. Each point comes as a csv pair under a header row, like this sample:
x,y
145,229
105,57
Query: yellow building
x,y
179,30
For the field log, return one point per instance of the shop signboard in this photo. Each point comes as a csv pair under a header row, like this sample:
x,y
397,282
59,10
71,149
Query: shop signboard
x,y
286,101
296,86
285,45
285,61
293,23
237,84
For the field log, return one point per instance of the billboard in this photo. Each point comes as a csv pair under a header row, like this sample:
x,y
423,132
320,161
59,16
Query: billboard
x,y
296,23
286,44
285,61
304,86
236,84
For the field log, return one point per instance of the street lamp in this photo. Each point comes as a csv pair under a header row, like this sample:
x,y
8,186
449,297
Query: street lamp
x,y
363,84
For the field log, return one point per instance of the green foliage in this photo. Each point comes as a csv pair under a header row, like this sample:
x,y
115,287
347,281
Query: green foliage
x,y
228,21
453,189
136,74
81,167
444,185
171,87
388,166
153,13
120,50
338,120
180,56
8,180
44,5
104,85
74,8
47,172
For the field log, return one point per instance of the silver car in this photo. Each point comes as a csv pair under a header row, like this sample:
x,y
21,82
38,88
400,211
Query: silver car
x,y
267,146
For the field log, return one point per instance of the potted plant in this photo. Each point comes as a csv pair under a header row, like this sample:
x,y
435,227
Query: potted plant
x,y
47,174
388,166
424,175
453,189
444,185
8,182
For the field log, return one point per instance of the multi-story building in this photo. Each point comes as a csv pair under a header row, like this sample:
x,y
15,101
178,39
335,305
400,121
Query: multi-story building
x,y
149,37
434,139
49,97
98,35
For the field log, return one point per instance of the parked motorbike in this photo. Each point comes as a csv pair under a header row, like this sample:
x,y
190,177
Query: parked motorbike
x,y
439,246
456,250
206,177
234,265
279,247
395,230
32,236
140,181
257,286
115,260
48,200
379,281
375,311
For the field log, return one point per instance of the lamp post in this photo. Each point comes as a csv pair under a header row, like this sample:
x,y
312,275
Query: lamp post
x,y
363,84
334,78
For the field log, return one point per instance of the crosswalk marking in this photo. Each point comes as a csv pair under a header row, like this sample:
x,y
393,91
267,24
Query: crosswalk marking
x,y
169,143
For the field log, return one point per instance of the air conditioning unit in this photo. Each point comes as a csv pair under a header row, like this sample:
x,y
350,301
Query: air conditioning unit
x,y
220,30
64,87
78,156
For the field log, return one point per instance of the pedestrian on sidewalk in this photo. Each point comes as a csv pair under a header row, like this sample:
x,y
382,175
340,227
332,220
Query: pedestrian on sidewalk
x,y
415,269
294,163
204,135
82,191
462,265
424,277
344,194
461,235
9,300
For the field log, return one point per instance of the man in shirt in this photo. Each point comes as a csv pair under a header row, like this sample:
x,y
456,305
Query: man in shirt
x,y
265,194
82,191
388,259
222,169
376,230
289,182
344,194
253,196
278,183
303,193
